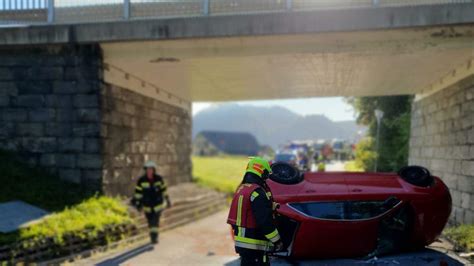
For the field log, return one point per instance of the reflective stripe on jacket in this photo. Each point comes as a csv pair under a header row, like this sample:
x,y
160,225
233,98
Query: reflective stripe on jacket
x,y
251,217
151,193
240,213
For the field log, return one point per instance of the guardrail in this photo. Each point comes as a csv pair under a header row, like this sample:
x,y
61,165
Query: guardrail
x,y
77,11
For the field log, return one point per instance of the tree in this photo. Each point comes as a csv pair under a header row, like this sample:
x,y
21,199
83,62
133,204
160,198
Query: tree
x,y
394,129
364,154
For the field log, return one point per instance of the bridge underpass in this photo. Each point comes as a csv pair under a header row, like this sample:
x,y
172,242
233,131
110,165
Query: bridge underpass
x,y
367,63
91,102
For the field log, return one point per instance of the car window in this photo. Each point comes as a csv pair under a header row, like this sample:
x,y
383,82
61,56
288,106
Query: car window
x,y
357,210
343,210
323,210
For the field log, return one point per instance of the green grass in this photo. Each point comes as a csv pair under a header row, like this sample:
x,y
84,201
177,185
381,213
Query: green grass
x,y
76,212
84,220
223,173
351,166
462,236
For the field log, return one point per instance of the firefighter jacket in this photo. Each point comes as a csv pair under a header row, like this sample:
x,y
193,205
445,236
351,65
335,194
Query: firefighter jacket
x,y
251,216
151,193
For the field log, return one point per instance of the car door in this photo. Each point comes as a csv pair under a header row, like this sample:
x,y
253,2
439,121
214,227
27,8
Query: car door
x,y
324,231
346,228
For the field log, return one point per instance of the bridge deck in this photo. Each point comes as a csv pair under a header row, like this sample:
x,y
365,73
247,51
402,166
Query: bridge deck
x,y
15,12
255,24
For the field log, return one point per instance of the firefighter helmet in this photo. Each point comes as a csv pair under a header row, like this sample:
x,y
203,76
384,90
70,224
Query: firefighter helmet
x,y
149,164
259,166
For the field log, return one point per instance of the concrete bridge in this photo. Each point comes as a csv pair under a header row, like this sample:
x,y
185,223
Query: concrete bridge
x,y
91,91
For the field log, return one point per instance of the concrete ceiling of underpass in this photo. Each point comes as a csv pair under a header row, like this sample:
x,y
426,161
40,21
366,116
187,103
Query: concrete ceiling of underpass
x,y
387,62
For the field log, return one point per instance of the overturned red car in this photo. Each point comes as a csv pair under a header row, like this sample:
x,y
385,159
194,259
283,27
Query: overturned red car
x,y
344,214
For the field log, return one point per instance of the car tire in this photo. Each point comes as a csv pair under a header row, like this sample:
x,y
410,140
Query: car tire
x,y
416,175
285,173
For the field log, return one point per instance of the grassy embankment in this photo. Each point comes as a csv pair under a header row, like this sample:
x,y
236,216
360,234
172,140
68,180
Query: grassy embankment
x,y
462,236
223,173
75,213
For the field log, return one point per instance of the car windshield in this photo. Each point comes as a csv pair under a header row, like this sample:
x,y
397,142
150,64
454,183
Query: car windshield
x,y
284,157
343,210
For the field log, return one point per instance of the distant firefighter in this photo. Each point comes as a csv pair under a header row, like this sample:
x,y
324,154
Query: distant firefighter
x,y
151,196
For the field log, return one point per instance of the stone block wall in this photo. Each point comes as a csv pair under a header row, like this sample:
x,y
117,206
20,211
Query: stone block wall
x,y
58,113
442,139
49,108
137,128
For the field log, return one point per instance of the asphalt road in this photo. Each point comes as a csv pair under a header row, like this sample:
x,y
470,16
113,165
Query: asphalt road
x,y
208,242
335,166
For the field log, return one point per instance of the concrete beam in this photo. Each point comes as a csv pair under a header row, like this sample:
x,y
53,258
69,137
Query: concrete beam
x,y
119,77
362,63
243,25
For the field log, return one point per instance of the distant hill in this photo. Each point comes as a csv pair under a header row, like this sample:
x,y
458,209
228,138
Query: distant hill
x,y
272,125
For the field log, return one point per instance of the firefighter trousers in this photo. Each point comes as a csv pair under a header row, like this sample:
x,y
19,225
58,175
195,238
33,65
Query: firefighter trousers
x,y
256,258
153,219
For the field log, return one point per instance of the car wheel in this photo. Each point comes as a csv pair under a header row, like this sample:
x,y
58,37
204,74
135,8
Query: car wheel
x,y
416,175
285,173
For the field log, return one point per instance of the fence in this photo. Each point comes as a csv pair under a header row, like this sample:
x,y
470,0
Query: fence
x,y
80,11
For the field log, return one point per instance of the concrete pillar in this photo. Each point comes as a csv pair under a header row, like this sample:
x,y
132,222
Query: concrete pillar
x,y
442,139
136,128
58,113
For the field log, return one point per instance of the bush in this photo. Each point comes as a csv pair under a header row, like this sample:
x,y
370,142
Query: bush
x,y
351,166
77,213
365,155
84,220
462,236
95,222
394,129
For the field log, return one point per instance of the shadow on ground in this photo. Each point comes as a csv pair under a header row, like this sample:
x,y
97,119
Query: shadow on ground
x,y
126,256
426,257
35,186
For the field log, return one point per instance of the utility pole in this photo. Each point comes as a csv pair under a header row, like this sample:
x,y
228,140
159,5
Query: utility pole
x,y
50,11
206,6
378,115
289,5
126,9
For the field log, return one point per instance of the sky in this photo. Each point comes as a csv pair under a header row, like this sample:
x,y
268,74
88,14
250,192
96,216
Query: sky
x,y
335,108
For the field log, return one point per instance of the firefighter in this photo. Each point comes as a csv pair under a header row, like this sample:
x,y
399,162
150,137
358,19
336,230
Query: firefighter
x,y
252,216
321,164
321,167
151,196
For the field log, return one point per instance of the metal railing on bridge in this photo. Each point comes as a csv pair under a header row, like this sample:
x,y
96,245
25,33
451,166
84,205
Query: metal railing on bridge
x,y
14,12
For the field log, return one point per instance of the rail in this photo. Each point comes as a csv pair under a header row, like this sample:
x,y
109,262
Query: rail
x,y
20,12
